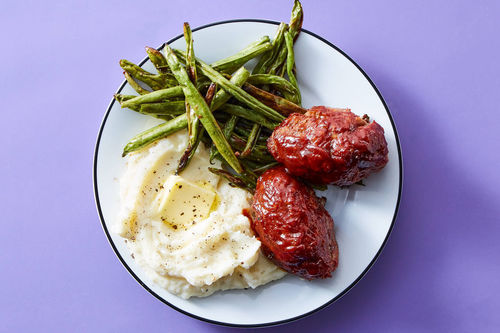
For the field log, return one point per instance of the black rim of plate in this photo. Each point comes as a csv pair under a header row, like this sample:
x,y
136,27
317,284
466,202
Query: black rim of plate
x,y
98,204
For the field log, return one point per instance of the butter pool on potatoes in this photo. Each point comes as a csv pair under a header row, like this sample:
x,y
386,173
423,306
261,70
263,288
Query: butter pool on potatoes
x,y
182,203
188,232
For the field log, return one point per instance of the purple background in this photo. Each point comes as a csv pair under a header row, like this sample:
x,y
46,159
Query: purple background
x,y
435,62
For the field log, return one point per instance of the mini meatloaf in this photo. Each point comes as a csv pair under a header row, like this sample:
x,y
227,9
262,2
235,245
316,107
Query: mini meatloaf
x,y
295,229
329,146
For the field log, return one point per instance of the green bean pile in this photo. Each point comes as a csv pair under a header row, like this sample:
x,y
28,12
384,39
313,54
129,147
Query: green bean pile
x,y
249,106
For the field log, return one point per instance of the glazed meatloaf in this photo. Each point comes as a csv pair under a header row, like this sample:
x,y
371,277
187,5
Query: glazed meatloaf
x,y
295,229
329,146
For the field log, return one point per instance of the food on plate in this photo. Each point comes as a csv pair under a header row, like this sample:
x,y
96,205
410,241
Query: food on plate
x,y
189,179
187,232
329,146
293,225
223,132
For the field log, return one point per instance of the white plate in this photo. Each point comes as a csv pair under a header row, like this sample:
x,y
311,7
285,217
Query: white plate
x,y
364,216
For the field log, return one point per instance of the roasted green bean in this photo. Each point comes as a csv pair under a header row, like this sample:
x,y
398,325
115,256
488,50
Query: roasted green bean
x,y
202,110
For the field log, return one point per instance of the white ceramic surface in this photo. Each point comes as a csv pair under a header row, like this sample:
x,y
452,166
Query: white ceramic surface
x,y
363,215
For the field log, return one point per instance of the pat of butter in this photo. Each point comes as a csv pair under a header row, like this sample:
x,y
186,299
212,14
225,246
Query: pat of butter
x,y
181,202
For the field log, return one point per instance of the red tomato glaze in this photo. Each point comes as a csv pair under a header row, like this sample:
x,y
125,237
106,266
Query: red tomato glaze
x,y
295,229
329,146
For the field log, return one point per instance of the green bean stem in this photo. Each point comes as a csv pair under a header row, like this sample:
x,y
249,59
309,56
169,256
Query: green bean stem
x,y
140,90
154,81
158,60
123,98
240,181
296,19
120,98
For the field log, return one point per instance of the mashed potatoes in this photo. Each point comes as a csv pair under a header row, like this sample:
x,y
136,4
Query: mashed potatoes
x,y
218,252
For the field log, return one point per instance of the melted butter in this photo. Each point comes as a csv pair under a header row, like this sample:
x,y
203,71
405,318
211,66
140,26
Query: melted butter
x,y
217,200
215,204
